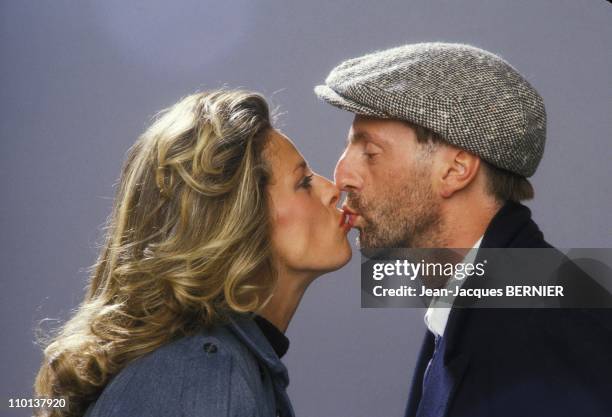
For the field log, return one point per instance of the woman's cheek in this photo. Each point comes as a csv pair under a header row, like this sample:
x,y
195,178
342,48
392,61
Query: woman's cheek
x,y
291,225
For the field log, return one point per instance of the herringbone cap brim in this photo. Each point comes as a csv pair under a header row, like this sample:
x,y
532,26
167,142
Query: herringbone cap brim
x,y
472,98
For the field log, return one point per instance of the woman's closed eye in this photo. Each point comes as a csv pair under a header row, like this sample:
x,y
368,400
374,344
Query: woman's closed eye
x,y
306,182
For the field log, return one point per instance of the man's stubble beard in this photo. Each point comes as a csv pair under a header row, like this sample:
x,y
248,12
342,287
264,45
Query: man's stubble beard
x,y
406,217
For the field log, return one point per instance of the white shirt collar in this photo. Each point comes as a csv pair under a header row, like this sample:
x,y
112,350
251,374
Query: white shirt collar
x,y
437,314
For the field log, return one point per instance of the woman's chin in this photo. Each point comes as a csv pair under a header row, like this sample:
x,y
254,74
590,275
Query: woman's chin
x,y
341,257
328,260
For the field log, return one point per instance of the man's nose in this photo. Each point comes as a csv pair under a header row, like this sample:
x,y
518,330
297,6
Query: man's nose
x,y
345,175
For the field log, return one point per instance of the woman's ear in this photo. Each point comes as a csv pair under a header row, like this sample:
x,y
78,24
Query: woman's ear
x,y
458,170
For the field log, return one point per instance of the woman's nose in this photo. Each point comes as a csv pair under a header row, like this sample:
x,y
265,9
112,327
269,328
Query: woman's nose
x,y
330,194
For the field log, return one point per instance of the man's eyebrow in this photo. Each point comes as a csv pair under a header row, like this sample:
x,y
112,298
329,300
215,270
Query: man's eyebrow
x,y
361,136
302,164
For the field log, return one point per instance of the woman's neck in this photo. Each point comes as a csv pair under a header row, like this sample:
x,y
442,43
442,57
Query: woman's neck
x,y
286,297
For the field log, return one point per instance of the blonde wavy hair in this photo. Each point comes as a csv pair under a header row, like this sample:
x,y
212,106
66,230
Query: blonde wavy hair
x,y
187,242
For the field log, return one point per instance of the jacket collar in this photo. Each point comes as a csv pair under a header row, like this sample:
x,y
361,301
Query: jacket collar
x,y
245,328
511,227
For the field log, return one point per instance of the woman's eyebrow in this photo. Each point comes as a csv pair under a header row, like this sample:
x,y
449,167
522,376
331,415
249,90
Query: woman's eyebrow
x,y
302,164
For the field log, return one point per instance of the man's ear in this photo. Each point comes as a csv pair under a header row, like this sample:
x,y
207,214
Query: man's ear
x,y
457,169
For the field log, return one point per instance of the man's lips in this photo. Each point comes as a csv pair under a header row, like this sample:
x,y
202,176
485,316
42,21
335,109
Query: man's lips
x,y
348,217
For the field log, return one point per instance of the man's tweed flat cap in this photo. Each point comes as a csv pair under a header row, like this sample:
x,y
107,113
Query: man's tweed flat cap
x,y
471,97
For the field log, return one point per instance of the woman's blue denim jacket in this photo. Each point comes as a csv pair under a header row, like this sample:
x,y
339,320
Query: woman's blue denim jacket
x,y
228,371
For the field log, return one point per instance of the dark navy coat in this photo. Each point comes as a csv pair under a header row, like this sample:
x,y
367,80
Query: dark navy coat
x,y
516,362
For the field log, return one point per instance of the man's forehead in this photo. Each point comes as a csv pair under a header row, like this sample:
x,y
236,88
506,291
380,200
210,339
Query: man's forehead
x,y
365,128
357,135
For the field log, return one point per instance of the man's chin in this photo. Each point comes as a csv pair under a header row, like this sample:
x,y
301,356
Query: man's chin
x,y
364,240
360,241
369,249
377,253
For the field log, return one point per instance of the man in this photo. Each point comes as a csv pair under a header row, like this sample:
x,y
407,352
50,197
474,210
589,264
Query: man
x,y
438,155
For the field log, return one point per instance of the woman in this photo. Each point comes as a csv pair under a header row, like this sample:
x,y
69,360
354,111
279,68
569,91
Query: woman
x,y
218,228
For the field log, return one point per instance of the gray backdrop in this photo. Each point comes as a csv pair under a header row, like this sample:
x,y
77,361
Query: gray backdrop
x,y
81,79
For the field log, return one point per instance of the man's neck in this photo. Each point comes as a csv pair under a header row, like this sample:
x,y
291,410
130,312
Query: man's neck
x,y
467,223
